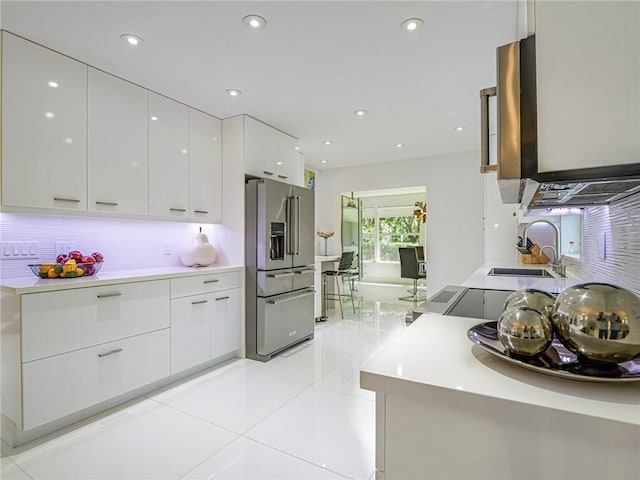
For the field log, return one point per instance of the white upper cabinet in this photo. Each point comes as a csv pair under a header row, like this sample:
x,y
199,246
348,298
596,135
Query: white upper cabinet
x,y
168,157
588,83
44,128
270,153
205,167
117,153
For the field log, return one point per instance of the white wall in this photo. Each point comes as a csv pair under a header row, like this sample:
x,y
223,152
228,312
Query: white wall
x,y
455,205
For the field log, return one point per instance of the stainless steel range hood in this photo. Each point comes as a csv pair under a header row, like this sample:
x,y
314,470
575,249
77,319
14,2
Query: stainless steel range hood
x,y
517,149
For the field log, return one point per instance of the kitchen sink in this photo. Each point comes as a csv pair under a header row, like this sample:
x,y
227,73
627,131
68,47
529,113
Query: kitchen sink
x,y
519,272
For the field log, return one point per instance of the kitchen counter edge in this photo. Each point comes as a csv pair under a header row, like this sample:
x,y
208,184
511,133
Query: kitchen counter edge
x,y
26,285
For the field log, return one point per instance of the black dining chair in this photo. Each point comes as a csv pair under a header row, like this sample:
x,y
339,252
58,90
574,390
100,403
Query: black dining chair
x,y
410,267
343,271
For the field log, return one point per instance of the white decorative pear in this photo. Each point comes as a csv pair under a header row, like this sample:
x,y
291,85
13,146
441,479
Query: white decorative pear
x,y
201,254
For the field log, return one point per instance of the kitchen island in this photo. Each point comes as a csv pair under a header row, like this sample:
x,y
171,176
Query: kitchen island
x,y
445,408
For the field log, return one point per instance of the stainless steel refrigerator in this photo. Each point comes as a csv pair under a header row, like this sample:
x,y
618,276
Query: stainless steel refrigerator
x,y
280,251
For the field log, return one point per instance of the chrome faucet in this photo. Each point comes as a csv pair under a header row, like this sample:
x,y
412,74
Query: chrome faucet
x,y
556,264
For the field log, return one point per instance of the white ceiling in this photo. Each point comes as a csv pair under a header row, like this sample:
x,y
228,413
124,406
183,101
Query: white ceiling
x,y
314,64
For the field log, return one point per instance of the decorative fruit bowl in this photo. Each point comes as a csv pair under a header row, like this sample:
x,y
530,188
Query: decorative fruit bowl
x,y
69,265
65,270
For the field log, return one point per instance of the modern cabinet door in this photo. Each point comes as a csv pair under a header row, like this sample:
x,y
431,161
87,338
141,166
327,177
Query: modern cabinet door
x,y
205,167
117,145
259,149
588,83
44,127
168,158
226,322
191,331
288,166
270,153
63,384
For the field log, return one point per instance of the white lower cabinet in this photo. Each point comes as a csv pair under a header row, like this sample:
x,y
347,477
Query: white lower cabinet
x,y
205,327
226,322
63,384
95,315
190,331
68,352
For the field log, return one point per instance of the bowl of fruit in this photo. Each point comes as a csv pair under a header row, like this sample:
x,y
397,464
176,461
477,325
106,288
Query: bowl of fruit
x,y
71,265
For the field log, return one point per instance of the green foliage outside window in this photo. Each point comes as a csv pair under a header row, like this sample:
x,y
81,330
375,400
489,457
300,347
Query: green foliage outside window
x,y
393,233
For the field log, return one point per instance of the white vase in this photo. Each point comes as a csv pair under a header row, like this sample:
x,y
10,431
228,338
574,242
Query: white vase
x,y
200,254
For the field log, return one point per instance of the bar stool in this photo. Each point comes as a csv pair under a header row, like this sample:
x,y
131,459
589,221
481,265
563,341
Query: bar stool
x,y
343,269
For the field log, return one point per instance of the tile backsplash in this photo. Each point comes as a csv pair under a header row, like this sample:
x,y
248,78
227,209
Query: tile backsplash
x,y
125,244
611,244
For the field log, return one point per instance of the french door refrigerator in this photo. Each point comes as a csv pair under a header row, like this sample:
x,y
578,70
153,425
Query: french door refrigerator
x,y
280,251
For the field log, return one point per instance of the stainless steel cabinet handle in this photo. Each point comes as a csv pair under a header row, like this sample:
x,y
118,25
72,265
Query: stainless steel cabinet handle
x,y
283,176
485,93
221,298
113,204
267,172
199,302
61,199
108,295
280,275
200,211
213,280
177,210
276,301
110,352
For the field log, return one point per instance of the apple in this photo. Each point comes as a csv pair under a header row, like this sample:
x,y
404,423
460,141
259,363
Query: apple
x,y
76,255
89,269
98,256
63,257
88,259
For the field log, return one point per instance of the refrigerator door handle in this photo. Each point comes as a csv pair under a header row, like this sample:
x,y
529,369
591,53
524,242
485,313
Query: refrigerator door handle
x,y
293,218
297,249
304,293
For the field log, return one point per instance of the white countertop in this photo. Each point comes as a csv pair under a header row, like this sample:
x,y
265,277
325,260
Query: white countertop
x,y
479,279
434,352
32,284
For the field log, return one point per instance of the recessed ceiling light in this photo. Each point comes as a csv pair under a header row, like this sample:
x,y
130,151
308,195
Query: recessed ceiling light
x,y
412,24
323,161
459,129
68,140
184,151
360,113
154,118
254,22
399,145
327,142
49,114
278,163
131,39
233,92
296,148
53,84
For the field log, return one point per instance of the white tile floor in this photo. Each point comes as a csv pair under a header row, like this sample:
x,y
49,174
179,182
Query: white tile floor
x,y
300,416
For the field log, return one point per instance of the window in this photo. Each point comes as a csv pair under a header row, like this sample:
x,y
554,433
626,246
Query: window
x,y
385,229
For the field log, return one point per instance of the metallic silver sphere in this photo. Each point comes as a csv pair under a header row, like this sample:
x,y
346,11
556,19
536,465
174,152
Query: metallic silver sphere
x,y
531,297
598,322
525,331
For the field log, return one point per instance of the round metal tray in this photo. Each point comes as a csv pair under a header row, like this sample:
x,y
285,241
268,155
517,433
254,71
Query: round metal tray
x,y
556,361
